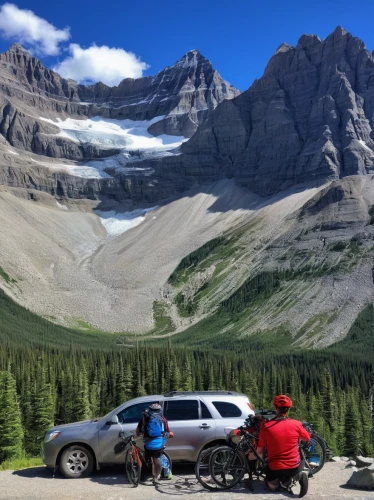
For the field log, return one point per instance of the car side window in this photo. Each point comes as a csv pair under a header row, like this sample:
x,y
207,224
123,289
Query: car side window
x,y
133,414
227,409
205,413
186,409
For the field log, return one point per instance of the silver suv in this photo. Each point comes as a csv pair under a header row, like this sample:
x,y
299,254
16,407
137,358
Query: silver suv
x,y
197,419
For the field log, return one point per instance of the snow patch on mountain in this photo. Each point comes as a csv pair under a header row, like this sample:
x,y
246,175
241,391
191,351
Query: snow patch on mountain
x,y
130,136
118,223
363,143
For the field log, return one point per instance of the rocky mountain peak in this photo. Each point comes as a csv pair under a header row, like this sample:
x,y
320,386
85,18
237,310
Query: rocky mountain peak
x,y
284,47
193,58
309,118
18,48
307,40
339,32
16,54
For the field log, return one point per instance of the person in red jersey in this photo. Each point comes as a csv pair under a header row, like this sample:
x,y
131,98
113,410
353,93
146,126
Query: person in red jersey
x,y
281,436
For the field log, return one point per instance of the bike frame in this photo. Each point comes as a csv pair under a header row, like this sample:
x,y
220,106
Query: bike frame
x,y
247,442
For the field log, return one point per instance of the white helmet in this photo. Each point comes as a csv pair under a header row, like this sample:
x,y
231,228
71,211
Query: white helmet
x,y
155,407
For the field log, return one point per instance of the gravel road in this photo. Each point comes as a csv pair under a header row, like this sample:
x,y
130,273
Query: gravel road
x,y
111,484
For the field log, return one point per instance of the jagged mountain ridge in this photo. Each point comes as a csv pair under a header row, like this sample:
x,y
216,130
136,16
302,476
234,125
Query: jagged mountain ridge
x,y
186,91
308,118
184,94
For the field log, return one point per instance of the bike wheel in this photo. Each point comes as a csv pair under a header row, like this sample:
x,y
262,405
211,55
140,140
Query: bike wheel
x,y
227,466
202,470
315,454
133,468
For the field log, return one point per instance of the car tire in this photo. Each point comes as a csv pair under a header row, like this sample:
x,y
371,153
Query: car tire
x,y
76,462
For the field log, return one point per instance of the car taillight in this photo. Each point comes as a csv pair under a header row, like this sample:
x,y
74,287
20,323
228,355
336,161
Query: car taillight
x,y
250,406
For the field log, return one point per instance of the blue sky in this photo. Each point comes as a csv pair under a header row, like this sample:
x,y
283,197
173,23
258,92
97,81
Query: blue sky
x,y
238,36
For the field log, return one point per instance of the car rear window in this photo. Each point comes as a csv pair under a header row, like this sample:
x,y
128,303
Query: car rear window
x,y
227,409
187,409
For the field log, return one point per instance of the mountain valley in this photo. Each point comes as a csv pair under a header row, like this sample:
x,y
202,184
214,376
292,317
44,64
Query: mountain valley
x,y
173,202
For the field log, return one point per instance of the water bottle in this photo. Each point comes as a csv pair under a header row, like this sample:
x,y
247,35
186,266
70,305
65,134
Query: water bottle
x,y
166,471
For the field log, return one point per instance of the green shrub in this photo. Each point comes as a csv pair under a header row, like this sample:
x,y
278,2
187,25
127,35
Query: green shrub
x,y
5,276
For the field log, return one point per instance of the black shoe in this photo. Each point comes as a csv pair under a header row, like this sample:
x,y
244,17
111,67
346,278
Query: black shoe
x,y
303,481
286,485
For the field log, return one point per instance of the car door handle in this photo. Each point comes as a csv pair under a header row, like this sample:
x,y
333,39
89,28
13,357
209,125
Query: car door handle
x,y
204,426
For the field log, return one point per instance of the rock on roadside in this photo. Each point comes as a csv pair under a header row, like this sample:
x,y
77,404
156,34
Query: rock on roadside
x,y
364,461
363,478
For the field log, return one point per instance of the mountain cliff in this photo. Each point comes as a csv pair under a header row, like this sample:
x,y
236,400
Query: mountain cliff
x,y
310,117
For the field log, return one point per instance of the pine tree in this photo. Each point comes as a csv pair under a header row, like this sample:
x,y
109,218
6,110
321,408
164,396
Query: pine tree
x,y
365,426
81,396
186,376
328,401
94,397
41,413
138,388
351,425
11,432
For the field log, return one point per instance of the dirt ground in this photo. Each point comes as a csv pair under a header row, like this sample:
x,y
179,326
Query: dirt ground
x,y
111,484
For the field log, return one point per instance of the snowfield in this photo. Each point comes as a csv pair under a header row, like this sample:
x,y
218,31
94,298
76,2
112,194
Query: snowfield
x,y
132,137
118,223
129,134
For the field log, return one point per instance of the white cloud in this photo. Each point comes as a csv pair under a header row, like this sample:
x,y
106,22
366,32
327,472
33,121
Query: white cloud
x,y
106,64
24,26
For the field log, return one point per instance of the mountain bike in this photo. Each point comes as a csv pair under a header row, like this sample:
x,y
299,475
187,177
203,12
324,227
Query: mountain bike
x,y
222,467
135,458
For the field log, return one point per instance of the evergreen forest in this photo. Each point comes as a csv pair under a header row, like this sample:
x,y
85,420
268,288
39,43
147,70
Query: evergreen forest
x,y
51,375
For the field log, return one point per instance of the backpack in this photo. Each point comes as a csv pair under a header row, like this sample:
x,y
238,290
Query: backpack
x,y
154,424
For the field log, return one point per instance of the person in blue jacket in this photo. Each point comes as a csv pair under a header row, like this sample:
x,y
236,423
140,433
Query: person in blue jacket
x,y
155,430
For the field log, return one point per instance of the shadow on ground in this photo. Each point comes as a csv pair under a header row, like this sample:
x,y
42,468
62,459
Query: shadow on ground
x,y
184,481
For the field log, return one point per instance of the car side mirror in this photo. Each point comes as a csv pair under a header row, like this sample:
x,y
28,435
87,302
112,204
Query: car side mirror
x,y
113,420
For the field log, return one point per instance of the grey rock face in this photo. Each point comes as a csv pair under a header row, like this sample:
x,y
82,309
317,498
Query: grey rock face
x,y
184,93
363,478
364,461
309,118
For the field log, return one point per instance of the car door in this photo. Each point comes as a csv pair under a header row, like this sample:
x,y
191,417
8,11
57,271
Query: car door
x,y
110,444
231,416
192,425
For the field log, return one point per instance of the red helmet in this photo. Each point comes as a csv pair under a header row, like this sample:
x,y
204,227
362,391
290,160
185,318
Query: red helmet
x,y
282,401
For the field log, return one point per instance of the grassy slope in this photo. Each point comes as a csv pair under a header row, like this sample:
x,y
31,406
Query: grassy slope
x,y
360,338
19,325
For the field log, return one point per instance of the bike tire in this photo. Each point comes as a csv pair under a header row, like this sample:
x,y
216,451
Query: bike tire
x,y
227,466
317,444
133,469
202,470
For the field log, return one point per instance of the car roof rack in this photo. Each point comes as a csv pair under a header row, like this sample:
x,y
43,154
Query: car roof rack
x,y
202,393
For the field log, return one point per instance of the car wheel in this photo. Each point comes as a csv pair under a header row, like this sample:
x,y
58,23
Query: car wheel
x,y
76,462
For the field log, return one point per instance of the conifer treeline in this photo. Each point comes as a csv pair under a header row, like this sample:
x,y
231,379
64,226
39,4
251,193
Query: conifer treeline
x,y
43,386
